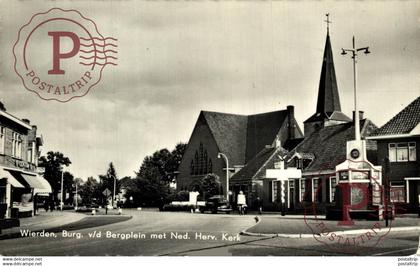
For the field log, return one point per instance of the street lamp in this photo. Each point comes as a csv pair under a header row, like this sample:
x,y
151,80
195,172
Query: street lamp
x,y
76,198
62,188
113,197
219,155
354,52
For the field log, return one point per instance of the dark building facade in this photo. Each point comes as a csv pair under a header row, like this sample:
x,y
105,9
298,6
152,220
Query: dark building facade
x,y
398,152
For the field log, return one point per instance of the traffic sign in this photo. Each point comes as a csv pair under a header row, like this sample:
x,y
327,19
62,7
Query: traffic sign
x,y
106,192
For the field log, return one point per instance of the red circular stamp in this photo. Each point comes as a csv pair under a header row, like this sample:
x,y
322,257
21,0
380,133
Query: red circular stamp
x,y
60,54
349,210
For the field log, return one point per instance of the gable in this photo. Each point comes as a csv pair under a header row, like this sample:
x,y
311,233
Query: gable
x,y
262,130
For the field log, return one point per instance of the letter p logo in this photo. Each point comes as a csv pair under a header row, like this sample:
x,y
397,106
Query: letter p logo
x,y
57,55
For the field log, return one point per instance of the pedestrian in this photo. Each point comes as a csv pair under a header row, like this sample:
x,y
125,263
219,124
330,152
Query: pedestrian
x,y
241,201
46,205
161,204
52,205
259,205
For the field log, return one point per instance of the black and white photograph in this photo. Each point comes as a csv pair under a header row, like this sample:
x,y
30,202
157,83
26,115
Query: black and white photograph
x,y
131,130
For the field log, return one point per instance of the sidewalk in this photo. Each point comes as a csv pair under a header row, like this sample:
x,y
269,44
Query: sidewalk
x,y
44,220
301,226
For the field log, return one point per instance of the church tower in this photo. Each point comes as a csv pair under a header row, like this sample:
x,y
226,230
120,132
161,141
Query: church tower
x,y
328,108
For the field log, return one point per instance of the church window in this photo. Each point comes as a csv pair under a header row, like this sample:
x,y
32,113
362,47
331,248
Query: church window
x,y
201,165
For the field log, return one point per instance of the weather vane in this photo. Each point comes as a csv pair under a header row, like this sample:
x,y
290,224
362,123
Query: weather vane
x,y
328,22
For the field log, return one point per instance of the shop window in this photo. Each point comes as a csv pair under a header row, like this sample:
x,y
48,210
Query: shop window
x,y
333,185
274,190
402,152
397,193
315,187
302,189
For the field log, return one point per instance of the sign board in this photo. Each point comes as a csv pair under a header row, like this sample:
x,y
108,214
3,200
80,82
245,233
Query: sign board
x,y
106,192
283,174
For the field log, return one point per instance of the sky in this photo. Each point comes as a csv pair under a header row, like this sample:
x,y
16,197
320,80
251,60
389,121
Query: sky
x,y
176,58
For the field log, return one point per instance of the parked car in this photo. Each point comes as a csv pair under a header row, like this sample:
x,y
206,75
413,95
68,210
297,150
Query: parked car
x,y
216,204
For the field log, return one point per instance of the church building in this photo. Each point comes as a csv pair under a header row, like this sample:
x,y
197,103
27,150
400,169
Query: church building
x,y
241,138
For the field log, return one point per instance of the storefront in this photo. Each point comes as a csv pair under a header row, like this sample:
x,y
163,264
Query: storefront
x,y
19,191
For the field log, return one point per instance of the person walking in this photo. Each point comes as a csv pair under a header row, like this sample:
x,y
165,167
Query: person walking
x,y
46,205
241,201
259,205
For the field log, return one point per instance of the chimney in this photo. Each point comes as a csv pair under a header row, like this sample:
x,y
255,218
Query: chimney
x,y
290,121
26,121
360,115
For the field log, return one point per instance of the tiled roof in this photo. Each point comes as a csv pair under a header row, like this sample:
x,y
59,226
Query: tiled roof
x,y
328,144
256,167
403,122
229,132
241,137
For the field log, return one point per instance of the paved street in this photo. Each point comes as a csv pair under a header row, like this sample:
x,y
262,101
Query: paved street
x,y
205,234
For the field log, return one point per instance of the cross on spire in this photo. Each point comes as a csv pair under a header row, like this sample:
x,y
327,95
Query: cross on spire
x,y
328,22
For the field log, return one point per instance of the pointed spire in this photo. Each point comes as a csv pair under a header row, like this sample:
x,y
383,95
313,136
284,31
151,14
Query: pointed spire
x,y
328,98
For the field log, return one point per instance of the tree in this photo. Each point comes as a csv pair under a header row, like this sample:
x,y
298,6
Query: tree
x,y
53,164
90,190
165,162
155,174
68,185
211,185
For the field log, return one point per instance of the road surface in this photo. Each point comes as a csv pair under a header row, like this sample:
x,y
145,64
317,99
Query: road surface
x,y
188,234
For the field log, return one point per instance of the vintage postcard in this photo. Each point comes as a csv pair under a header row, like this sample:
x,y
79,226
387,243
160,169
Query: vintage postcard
x,y
209,128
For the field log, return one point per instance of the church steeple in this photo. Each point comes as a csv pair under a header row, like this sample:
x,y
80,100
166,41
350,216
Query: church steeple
x,y
328,98
328,108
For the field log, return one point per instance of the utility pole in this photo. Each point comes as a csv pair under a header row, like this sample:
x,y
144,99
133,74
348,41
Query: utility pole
x,y
354,52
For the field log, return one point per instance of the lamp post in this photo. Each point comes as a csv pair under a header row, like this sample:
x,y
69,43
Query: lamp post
x,y
219,155
76,197
354,52
62,188
113,195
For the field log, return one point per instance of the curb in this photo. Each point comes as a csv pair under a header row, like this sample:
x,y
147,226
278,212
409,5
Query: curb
x,y
56,229
345,232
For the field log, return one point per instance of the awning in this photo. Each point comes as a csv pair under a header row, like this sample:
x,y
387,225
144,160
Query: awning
x,y
33,181
36,182
10,179
47,187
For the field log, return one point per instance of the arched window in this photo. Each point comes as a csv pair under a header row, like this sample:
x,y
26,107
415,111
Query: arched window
x,y
205,169
201,164
196,163
192,167
210,167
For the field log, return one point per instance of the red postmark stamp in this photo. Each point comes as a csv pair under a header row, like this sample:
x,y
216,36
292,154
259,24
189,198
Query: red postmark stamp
x,y
60,54
358,214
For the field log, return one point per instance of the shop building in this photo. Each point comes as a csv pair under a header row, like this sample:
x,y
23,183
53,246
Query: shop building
x,y
20,181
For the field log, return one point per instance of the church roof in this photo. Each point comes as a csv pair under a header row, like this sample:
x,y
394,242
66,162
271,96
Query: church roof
x,y
328,144
404,122
328,104
229,132
241,137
